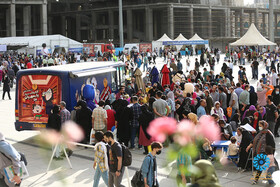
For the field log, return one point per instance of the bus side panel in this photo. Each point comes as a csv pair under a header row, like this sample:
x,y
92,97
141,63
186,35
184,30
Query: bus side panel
x,y
36,95
78,86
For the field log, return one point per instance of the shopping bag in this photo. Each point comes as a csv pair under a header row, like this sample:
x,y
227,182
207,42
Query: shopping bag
x,y
92,136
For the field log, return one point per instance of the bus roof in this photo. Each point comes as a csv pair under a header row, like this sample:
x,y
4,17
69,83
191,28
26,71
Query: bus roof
x,y
78,69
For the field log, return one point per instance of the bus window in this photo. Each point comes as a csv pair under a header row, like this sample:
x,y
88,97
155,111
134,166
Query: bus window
x,y
122,75
114,82
118,76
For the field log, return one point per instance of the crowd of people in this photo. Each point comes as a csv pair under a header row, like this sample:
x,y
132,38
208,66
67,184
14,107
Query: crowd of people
x,y
183,94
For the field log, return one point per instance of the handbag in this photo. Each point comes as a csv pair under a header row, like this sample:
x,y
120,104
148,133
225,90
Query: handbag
x,y
137,179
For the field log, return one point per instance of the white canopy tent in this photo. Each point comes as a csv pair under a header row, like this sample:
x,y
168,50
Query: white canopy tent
x,y
33,43
252,38
159,43
164,38
197,38
180,38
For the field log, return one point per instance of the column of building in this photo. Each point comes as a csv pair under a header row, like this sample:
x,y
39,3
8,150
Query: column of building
x,y
264,28
241,22
210,22
227,22
93,26
129,24
27,20
191,21
13,18
170,16
149,24
78,26
275,24
111,24
256,18
44,18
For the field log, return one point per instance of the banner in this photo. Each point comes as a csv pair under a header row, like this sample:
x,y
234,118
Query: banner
x,y
76,50
189,42
145,47
3,48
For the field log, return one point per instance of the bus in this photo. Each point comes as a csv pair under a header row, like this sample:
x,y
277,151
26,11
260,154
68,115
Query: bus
x,y
39,89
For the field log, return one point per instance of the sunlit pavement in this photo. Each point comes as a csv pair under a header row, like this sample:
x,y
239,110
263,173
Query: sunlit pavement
x,y
82,172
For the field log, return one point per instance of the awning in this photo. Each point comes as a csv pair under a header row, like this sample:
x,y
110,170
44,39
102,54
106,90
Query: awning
x,y
91,72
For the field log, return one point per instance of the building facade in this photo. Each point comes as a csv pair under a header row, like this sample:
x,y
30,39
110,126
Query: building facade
x,y
144,20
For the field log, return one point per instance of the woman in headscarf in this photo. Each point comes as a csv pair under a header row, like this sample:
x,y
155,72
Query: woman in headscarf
x,y
262,139
123,117
144,120
205,175
253,96
150,106
257,118
243,154
234,122
209,101
224,67
171,102
218,110
110,117
226,130
54,120
263,112
249,112
193,117
83,117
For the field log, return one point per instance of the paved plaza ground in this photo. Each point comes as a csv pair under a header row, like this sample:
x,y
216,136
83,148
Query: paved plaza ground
x,y
81,175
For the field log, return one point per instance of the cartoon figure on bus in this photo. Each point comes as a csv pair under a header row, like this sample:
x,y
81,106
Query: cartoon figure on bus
x,y
48,99
88,95
106,92
37,111
93,81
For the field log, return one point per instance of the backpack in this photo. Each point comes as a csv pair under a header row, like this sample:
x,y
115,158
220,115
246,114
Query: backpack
x,y
127,156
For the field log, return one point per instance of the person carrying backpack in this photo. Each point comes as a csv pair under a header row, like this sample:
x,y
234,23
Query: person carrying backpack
x,y
149,166
116,168
100,160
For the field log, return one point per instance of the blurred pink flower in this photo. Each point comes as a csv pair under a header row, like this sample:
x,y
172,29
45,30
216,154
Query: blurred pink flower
x,y
161,127
185,132
51,137
72,131
208,128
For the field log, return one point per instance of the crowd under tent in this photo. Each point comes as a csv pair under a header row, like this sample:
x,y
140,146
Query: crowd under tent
x,y
33,44
252,38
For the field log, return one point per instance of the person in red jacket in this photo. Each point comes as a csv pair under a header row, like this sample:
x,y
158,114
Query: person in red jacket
x,y
29,65
110,117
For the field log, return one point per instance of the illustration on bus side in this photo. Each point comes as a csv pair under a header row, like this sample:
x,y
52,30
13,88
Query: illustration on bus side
x,y
91,94
37,95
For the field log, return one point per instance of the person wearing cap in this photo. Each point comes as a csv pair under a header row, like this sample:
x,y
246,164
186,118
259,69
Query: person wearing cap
x,y
9,156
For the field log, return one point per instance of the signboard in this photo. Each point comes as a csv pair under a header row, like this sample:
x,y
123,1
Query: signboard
x,y
76,50
37,96
3,48
146,47
189,42
88,48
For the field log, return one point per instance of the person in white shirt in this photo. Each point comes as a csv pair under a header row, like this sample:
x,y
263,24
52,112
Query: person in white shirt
x,y
78,57
268,64
273,77
230,65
